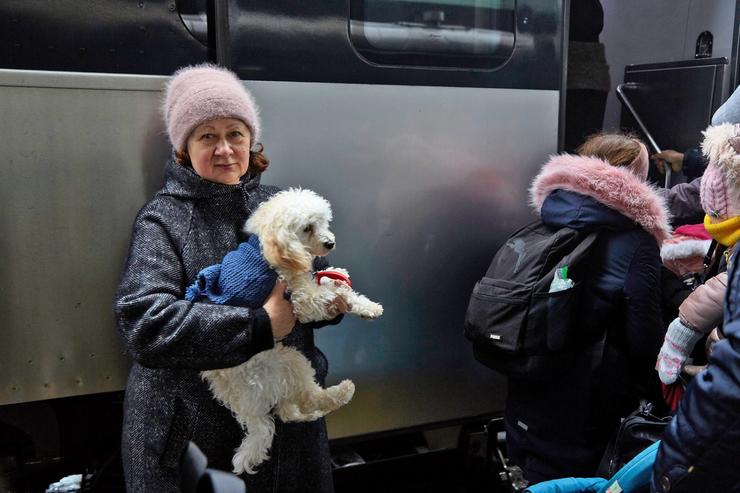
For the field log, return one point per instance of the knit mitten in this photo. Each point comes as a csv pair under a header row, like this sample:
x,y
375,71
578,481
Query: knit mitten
x,y
677,345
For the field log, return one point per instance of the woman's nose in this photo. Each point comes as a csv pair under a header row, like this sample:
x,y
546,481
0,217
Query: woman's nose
x,y
223,148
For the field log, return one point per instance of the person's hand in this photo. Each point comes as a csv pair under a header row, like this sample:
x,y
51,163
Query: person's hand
x,y
338,305
714,337
678,343
280,311
673,158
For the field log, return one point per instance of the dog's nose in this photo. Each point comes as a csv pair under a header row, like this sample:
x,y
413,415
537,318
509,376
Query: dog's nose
x,y
329,245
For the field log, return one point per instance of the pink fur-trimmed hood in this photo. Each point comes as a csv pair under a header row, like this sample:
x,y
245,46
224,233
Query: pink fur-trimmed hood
x,y
616,188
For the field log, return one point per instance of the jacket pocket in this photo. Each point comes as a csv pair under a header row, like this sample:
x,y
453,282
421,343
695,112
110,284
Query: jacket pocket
x,y
562,325
181,430
496,314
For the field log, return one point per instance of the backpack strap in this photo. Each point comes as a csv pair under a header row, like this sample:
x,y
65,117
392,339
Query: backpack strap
x,y
580,249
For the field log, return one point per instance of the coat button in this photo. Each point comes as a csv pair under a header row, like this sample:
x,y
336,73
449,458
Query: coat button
x,y
665,483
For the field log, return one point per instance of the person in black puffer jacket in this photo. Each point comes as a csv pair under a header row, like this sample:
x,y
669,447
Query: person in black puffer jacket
x,y
212,185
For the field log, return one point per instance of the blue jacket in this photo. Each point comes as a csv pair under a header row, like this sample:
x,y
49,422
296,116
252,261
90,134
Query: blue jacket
x,y
701,446
561,428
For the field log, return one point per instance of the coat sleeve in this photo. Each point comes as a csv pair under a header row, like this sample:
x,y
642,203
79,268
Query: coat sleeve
x,y
644,327
704,435
159,328
702,310
694,163
683,202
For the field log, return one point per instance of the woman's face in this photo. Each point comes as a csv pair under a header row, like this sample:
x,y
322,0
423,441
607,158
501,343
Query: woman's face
x,y
219,150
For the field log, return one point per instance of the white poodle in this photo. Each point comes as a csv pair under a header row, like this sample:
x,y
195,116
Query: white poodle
x,y
293,228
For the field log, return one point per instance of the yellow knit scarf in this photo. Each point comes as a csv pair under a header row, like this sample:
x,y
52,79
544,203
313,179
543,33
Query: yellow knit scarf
x,y
727,232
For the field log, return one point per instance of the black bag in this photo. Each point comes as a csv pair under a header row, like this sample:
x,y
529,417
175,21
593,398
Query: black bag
x,y
637,431
516,325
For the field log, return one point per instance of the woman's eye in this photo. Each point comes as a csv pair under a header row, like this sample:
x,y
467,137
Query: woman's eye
x,y
308,229
237,133
206,136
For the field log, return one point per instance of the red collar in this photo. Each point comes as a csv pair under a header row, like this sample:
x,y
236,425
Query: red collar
x,y
332,274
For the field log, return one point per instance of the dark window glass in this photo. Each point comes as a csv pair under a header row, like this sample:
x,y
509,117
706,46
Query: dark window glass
x,y
434,33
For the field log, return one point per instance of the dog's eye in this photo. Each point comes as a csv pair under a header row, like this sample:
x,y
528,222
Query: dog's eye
x,y
308,229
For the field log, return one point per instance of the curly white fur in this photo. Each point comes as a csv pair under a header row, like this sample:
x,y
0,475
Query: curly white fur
x,y
293,227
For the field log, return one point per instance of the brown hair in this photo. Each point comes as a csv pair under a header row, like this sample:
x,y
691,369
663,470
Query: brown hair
x,y
258,163
615,148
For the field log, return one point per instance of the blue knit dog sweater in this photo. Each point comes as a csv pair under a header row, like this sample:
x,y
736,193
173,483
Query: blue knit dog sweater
x,y
243,278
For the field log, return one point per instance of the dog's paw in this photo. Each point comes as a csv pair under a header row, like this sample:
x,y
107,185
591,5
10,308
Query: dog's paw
x,y
371,311
344,391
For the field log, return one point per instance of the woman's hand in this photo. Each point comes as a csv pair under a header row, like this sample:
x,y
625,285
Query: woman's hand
x,y
337,306
280,312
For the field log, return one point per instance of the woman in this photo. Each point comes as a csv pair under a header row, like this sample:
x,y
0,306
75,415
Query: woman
x,y
212,184
560,427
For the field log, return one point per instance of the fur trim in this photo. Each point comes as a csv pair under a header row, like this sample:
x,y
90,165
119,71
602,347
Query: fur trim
x,y
684,249
616,188
722,145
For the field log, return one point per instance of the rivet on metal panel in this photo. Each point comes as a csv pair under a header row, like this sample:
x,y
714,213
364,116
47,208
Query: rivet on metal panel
x,y
47,385
107,377
14,388
172,6
61,357
92,355
30,361
141,5
79,381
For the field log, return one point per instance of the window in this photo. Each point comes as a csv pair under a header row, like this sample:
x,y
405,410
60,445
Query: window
x,y
477,34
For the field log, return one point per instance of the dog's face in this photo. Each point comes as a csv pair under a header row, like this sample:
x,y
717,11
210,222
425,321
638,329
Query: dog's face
x,y
314,234
293,227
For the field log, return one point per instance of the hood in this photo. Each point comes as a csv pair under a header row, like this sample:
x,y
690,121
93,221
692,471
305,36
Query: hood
x,y
182,182
563,208
613,187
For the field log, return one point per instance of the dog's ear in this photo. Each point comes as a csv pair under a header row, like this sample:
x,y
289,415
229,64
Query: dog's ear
x,y
286,252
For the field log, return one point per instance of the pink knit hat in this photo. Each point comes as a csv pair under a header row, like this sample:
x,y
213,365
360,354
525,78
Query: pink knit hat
x,y
720,190
204,92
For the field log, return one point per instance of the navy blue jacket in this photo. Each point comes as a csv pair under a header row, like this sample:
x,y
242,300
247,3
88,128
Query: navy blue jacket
x,y
561,428
701,446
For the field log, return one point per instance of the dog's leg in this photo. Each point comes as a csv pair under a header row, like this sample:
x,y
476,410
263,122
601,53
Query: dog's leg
x,y
305,399
324,401
289,412
255,446
359,304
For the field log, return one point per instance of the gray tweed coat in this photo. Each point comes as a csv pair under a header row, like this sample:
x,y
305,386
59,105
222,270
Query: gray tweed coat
x,y
188,225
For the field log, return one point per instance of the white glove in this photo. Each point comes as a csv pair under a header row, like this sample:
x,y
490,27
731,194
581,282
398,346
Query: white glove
x,y
677,345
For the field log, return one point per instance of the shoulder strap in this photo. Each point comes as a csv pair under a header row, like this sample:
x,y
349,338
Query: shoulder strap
x,y
580,249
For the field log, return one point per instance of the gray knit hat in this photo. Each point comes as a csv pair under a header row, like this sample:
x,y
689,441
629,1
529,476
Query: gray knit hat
x,y
729,112
204,92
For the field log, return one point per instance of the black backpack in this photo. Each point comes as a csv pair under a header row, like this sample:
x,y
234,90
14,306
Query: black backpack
x,y
516,325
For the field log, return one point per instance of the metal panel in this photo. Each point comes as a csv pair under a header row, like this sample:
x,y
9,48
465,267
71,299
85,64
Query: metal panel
x,y
675,100
81,155
425,182
312,42
143,37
